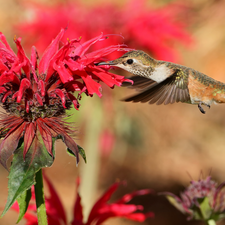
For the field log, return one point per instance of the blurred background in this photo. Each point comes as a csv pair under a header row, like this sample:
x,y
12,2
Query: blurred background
x,y
149,146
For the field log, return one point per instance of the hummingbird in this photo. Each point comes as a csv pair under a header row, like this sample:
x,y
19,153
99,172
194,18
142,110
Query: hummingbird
x,y
165,82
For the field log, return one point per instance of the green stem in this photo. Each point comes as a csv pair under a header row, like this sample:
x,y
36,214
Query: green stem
x,y
40,201
211,222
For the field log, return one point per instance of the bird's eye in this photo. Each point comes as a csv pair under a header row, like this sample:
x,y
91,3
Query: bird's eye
x,y
130,61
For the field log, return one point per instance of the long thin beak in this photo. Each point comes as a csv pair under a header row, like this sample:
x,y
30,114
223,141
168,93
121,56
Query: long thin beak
x,y
110,63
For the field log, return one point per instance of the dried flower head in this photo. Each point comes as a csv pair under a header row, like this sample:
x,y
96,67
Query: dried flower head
x,y
202,200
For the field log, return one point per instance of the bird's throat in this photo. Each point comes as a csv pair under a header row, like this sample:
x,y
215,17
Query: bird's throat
x,y
160,73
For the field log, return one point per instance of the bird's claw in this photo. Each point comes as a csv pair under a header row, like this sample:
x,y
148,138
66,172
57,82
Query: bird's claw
x,y
200,107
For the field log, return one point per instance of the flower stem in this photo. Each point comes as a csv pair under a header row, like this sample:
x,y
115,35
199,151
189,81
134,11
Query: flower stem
x,y
211,222
40,201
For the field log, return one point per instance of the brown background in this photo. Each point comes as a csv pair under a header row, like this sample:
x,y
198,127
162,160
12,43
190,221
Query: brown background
x,y
157,147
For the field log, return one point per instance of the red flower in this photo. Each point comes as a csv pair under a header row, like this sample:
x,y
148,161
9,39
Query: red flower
x,y
36,95
158,31
100,212
106,142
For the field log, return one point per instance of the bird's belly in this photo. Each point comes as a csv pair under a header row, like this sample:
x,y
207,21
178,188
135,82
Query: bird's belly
x,y
199,92
195,100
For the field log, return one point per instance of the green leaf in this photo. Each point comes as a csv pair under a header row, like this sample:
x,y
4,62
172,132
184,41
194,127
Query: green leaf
x,y
205,208
176,203
211,222
81,152
22,172
23,201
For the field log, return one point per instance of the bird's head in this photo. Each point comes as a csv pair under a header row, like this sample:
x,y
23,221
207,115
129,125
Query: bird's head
x,y
134,62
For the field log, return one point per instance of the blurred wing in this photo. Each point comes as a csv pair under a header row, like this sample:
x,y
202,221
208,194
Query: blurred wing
x,y
173,89
140,83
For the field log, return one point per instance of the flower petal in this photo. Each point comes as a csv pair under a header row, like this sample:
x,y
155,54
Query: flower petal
x,y
50,52
6,95
78,209
92,56
23,61
177,203
126,198
107,78
92,86
39,99
2,90
41,87
10,143
140,217
57,211
218,203
34,57
64,74
3,67
9,77
30,131
45,134
25,84
74,100
70,143
82,48
105,197
3,39
60,93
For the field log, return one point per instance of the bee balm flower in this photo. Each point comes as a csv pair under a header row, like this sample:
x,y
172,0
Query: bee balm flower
x,y
36,94
100,212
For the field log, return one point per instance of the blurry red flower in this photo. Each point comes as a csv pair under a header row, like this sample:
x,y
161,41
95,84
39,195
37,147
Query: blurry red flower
x,y
36,95
101,211
106,142
158,31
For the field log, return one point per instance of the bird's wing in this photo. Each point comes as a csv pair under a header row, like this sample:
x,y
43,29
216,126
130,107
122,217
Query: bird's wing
x,y
173,89
139,83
